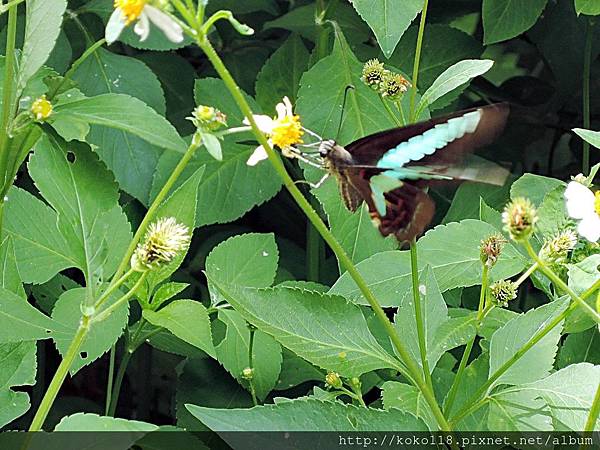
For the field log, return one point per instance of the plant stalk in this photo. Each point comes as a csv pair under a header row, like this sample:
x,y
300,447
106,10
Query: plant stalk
x,y
587,64
60,375
590,423
415,76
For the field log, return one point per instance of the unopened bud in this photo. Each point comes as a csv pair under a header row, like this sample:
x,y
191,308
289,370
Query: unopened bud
x,y
502,292
556,249
248,373
519,218
372,73
332,379
490,249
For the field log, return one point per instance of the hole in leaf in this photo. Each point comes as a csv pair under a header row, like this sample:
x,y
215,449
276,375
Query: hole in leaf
x,y
71,157
48,331
83,355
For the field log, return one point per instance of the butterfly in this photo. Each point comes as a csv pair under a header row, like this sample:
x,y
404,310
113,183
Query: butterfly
x,y
392,170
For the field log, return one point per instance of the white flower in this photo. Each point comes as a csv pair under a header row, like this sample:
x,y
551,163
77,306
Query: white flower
x,y
128,11
584,205
284,131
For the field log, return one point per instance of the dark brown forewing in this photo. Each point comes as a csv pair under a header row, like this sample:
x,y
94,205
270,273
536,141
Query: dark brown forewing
x,y
370,149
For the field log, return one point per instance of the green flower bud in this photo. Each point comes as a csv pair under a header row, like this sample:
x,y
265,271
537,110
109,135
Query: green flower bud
x,y
490,249
372,73
519,218
393,85
502,292
248,373
333,380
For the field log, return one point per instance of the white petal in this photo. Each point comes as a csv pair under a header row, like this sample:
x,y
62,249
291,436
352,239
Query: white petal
x,y
172,29
589,228
258,155
115,26
288,106
281,110
580,200
264,123
142,27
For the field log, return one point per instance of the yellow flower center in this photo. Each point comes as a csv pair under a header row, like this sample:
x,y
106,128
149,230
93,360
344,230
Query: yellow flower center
x,y
597,202
287,131
131,9
41,108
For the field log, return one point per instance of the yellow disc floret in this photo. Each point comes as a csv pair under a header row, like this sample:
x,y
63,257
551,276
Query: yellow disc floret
x,y
287,131
41,108
597,202
131,9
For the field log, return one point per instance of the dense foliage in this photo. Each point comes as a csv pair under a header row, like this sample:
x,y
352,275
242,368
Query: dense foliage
x,y
149,273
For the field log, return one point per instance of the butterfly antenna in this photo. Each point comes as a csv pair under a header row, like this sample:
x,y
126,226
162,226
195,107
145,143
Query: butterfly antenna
x,y
347,88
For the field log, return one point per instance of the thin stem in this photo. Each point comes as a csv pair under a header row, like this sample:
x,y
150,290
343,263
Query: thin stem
x,y
467,353
414,268
561,284
119,381
593,288
402,118
112,288
5,8
154,208
358,394
8,92
590,423
124,299
415,76
251,365
393,116
508,364
313,252
587,64
60,375
527,274
328,237
110,379
69,74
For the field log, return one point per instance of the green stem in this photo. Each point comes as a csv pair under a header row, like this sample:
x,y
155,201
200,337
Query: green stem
x,y
415,76
8,92
119,381
124,299
110,380
590,423
393,116
313,253
251,365
587,64
414,268
112,288
328,237
402,118
467,353
508,364
593,288
149,217
527,274
85,55
358,393
60,375
9,5
561,284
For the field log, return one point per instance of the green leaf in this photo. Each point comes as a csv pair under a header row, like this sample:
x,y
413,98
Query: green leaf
x,y
443,46
101,336
518,411
204,382
132,159
186,319
280,76
244,260
121,112
591,137
167,291
534,187
19,321
85,196
18,366
94,422
539,360
454,76
581,277
406,397
589,7
182,206
44,19
433,313
295,371
323,329
322,91
569,393
233,353
466,201
388,19
9,272
41,248
505,19
451,250
306,414
354,230
580,347
247,6
552,214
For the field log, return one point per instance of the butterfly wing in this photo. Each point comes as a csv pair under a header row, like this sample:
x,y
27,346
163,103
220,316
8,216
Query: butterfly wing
x,y
393,167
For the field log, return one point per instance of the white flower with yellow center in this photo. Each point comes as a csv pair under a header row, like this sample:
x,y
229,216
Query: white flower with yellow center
x,y
584,205
139,11
284,131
